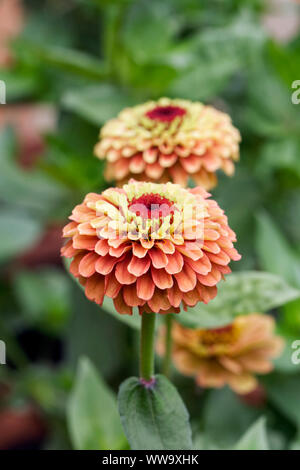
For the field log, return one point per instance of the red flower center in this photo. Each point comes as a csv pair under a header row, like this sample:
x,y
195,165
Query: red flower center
x,y
150,206
222,335
165,113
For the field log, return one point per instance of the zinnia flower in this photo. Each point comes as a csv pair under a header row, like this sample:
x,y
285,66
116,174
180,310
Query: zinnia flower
x,y
169,140
152,246
230,355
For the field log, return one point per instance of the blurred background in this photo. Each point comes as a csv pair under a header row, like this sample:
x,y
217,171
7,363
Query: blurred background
x,y
68,66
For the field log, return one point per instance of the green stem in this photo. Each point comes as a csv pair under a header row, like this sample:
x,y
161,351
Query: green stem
x,y
147,346
168,345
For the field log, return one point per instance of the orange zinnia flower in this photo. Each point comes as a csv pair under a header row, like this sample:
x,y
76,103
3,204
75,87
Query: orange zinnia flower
x,y
152,246
169,140
228,355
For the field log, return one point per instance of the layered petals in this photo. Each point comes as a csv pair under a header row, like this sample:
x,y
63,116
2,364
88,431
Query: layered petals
x,y
169,140
157,247
230,355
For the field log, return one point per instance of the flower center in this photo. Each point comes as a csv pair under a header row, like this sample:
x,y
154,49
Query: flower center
x,y
165,113
223,335
150,206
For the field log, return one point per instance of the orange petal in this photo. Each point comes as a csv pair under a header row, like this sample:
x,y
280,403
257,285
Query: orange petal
x,y
68,251
94,288
86,229
175,263
70,229
121,168
191,249
102,247
118,252
159,259
201,266
191,297
154,170
130,296
75,263
122,273
191,164
206,293
186,279
210,279
137,164
105,264
145,287
138,266
87,265
121,306
175,295
221,258
138,250
112,286
166,246
84,242
159,301
167,160
178,174
161,278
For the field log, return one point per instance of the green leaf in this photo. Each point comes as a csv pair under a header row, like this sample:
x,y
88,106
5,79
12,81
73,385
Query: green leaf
x,y
19,84
154,418
19,231
274,252
44,296
255,438
92,414
218,53
226,418
97,103
148,29
284,391
242,293
265,115
280,154
30,190
69,60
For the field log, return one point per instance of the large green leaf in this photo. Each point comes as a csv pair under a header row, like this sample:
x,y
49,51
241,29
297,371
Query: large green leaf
x,y
69,60
92,413
97,103
255,438
226,417
264,114
148,29
284,391
44,296
154,417
241,293
218,53
30,190
274,252
18,232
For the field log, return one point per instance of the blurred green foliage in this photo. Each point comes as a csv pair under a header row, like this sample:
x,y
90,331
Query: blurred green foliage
x,y
89,59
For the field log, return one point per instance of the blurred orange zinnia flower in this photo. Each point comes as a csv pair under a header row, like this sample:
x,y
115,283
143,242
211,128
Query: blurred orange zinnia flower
x,y
230,355
169,140
152,246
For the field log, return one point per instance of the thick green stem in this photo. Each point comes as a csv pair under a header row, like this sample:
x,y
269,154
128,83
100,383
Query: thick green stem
x,y
168,345
147,346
